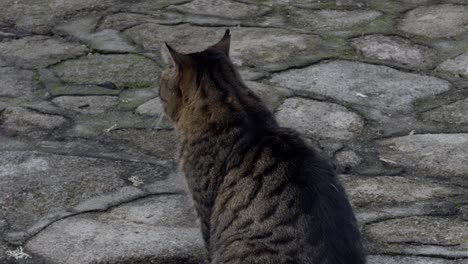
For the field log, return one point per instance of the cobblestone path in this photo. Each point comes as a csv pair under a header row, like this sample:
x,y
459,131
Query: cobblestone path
x,y
379,86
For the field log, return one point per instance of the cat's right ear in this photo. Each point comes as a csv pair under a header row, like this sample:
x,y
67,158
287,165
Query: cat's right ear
x,y
171,57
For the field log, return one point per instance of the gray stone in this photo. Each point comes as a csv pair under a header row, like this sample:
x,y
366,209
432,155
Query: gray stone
x,y
457,66
325,20
429,208
224,8
109,40
37,188
395,50
319,120
378,91
122,21
15,82
130,71
151,7
17,120
380,190
428,154
39,16
39,51
347,159
152,107
75,240
451,114
161,144
272,96
173,210
87,104
66,89
79,28
408,260
99,124
419,229
262,47
131,99
436,21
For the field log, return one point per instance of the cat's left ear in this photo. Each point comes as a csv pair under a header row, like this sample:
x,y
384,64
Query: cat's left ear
x,y
224,44
171,57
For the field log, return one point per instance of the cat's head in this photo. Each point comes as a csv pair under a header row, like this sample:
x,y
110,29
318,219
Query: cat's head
x,y
203,89
184,73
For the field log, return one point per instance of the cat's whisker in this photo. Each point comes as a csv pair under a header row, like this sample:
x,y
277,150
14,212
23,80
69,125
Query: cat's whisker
x,y
157,122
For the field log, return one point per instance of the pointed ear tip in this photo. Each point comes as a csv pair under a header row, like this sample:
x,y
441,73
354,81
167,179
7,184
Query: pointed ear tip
x,y
227,33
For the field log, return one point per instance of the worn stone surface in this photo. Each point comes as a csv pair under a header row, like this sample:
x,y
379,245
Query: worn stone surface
x,y
117,242
323,20
383,92
272,96
395,50
36,185
274,48
380,190
319,120
15,82
39,51
224,8
453,114
436,21
429,154
66,89
420,229
87,104
88,164
152,107
17,120
131,99
129,71
409,260
457,66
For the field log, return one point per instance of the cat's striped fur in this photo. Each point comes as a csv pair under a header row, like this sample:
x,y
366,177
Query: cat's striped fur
x,y
262,194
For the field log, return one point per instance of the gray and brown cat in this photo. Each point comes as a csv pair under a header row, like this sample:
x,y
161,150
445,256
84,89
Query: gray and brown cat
x,y
262,194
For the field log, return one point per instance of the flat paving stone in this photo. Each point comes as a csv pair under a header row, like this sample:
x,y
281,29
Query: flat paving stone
x,y
132,98
37,187
109,40
457,66
59,89
410,260
436,21
131,71
395,50
325,20
83,240
319,120
87,104
452,114
223,8
40,16
88,126
271,95
152,107
158,143
265,48
429,154
39,51
22,121
379,91
152,7
390,190
420,229
15,82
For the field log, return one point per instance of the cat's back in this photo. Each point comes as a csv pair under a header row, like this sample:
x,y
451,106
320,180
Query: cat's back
x,y
281,203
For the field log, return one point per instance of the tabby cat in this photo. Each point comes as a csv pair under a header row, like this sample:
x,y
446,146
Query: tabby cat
x,y
262,194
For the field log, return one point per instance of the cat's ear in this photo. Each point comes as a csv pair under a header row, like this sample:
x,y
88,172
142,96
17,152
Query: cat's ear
x,y
224,44
171,57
